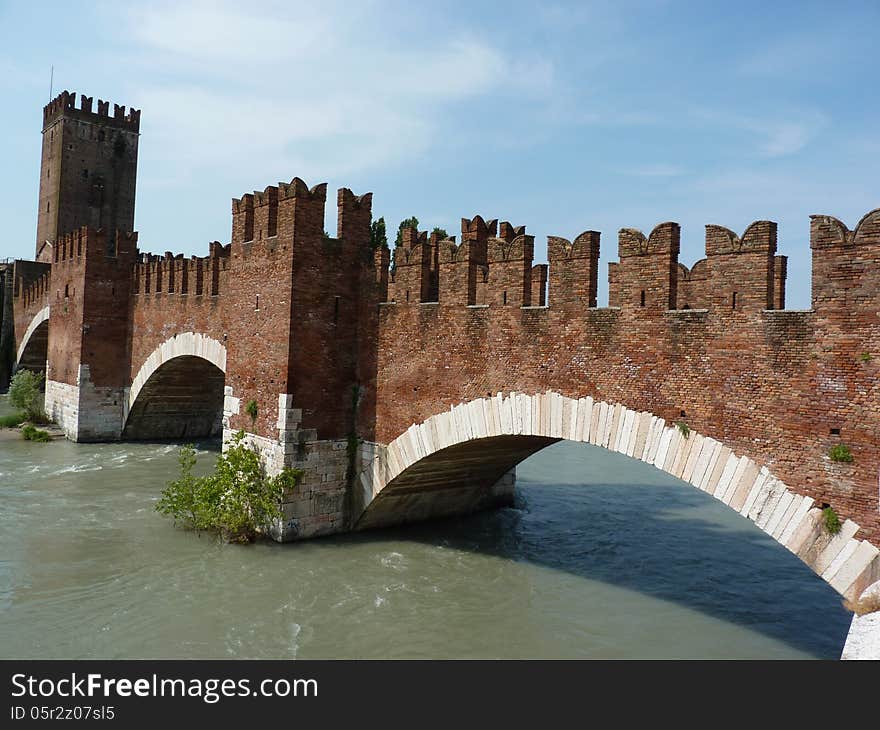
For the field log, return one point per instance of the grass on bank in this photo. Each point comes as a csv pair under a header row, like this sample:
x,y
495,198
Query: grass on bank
x,y
13,420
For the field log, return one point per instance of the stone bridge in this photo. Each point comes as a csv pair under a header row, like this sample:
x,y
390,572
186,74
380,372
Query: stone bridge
x,y
411,391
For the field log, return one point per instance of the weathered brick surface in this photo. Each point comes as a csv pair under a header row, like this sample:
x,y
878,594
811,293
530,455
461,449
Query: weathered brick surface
x,y
88,167
770,384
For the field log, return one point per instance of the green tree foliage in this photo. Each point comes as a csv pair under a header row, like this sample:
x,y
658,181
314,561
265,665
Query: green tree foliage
x,y
442,234
404,224
25,393
237,501
378,237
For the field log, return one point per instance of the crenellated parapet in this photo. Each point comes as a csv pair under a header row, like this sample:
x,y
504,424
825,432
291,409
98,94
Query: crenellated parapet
x,y
272,214
574,268
646,278
693,285
741,268
92,243
509,257
413,278
846,265
463,268
35,295
64,105
176,274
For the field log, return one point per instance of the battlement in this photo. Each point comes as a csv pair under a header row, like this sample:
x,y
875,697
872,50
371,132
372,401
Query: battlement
x,y
35,294
174,274
693,285
827,231
87,242
759,237
64,105
574,268
740,273
846,265
278,210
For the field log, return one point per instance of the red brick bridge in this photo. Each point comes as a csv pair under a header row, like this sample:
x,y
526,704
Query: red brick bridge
x,y
411,395
413,391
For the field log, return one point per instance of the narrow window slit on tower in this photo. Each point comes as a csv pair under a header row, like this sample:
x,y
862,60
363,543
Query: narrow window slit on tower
x,y
733,301
642,303
257,307
504,296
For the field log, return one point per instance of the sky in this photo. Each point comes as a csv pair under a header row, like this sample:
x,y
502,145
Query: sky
x,y
560,117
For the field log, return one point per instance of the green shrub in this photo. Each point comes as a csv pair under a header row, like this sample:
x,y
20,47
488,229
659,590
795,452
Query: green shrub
x,y
865,357
251,410
12,420
35,434
26,395
831,520
237,501
840,452
683,428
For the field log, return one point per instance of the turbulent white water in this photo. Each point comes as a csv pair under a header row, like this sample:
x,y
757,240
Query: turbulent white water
x,y
604,557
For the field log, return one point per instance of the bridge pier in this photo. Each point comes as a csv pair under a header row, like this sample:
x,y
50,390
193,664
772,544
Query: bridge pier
x,y
84,411
863,639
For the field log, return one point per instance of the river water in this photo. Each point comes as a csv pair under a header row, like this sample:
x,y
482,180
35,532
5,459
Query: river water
x,y
603,557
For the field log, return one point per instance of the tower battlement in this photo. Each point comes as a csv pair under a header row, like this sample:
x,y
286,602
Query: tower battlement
x,y
64,105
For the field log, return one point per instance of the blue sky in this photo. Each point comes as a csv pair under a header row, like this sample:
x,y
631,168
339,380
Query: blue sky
x,y
561,117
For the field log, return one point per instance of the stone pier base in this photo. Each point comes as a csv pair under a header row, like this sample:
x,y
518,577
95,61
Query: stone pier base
x,y
863,639
85,412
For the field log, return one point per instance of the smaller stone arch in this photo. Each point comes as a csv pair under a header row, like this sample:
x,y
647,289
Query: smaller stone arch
x,y
39,318
192,344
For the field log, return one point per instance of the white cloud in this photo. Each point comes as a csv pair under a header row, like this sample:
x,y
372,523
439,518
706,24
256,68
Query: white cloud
x,y
324,88
778,133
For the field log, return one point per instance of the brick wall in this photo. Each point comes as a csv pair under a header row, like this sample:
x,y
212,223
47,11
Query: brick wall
x,y
781,387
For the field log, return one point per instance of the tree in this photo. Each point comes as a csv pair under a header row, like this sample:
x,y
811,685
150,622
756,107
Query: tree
x,y
404,224
441,233
238,500
378,238
25,393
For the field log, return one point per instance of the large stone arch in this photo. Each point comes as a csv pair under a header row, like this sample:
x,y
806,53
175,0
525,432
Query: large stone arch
x,y
36,337
483,440
178,390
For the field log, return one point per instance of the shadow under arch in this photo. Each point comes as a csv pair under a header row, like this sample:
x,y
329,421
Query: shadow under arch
x,y
642,531
463,460
178,392
34,348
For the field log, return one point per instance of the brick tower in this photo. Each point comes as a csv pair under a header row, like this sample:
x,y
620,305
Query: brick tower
x,y
87,170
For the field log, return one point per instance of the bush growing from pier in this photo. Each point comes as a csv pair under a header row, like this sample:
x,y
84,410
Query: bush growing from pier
x,y
831,520
238,501
35,434
25,394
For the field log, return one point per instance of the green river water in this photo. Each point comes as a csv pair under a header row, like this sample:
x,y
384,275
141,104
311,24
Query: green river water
x,y
603,557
